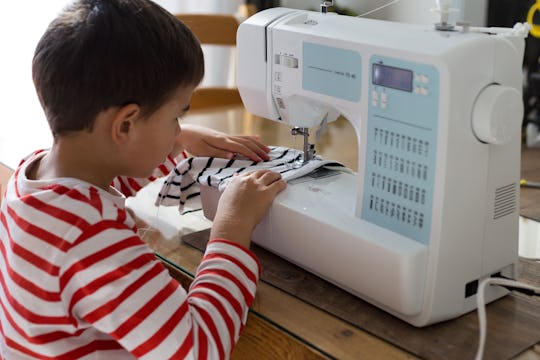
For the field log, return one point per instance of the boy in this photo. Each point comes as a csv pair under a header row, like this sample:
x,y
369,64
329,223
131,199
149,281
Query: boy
x,y
76,281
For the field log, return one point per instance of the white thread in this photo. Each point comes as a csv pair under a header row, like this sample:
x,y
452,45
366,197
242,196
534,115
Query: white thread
x,y
379,8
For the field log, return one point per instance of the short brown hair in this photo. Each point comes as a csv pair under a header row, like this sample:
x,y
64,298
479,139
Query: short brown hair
x,y
102,53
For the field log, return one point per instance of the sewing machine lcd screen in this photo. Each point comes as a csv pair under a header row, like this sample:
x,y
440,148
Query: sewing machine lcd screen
x,y
392,77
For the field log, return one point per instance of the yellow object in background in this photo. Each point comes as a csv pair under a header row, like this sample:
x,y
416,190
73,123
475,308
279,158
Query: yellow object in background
x,y
532,184
535,29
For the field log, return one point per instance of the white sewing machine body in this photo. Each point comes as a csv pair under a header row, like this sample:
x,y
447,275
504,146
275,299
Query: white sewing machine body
x,y
432,209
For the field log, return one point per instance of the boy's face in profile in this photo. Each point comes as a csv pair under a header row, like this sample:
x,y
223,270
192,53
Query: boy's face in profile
x,y
154,137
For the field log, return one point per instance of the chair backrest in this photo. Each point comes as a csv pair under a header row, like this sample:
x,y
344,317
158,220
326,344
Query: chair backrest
x,y
213,29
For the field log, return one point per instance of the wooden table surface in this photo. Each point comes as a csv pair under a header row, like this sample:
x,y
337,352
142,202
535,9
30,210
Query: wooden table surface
x,y
281,326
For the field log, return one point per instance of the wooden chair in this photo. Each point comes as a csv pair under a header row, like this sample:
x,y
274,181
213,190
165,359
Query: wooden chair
x,y
213,30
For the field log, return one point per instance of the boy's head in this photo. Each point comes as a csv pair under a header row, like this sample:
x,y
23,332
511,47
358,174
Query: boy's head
x,y
99,54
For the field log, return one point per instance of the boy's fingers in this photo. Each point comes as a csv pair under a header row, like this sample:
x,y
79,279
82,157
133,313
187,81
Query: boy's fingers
x,y
231,150
253,150
270,176
223,154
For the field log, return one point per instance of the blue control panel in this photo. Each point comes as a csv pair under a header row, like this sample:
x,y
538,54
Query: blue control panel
x,y
401,143
332,71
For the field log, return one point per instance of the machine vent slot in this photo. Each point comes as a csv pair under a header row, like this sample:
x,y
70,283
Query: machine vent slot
x,y
505,201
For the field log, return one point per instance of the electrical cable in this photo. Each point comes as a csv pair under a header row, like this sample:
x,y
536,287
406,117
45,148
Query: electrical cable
x,y
510,284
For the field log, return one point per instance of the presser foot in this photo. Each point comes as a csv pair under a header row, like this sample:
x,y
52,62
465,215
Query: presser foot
x,y
308,149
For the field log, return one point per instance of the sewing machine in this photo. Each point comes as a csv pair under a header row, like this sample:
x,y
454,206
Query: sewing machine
x,y
437,111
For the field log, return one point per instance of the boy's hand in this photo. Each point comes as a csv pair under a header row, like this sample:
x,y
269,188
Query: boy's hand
x,y
244,203
201,141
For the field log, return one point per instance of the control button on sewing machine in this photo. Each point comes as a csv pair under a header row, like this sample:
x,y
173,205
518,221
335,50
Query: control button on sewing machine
x,y
421,90
424,79
383,105
384,97
289,61
374,98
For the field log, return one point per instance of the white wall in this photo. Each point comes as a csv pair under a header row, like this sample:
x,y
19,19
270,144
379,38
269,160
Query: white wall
x,y
411,11
23,127
475,11
419,11
219,61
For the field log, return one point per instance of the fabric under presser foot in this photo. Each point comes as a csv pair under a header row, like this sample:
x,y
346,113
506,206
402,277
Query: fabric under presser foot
x,y
182,185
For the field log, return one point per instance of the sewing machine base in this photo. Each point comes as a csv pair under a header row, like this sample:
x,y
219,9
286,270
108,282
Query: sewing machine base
x,y
310,224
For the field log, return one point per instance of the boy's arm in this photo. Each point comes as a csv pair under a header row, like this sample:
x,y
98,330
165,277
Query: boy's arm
x,y
198,141
128,294
202,141
130,186
148,312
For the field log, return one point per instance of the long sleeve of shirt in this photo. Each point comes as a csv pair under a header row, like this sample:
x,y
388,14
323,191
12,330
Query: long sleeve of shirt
x,y
151,315
129,186
76,281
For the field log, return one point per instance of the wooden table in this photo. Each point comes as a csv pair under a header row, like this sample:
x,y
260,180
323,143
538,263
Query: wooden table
x,y
281,326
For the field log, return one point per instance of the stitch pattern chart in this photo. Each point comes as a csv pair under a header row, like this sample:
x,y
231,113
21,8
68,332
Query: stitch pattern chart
x,y
400,152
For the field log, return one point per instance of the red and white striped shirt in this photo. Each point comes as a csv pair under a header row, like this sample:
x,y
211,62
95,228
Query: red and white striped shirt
x,y
76,282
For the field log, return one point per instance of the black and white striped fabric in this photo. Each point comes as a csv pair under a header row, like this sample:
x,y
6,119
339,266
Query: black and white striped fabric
x,y
182,185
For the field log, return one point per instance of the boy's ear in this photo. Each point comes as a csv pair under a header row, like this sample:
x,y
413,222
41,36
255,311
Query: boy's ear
x,y
123,122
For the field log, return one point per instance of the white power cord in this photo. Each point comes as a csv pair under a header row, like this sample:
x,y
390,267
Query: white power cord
x,y
481,306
